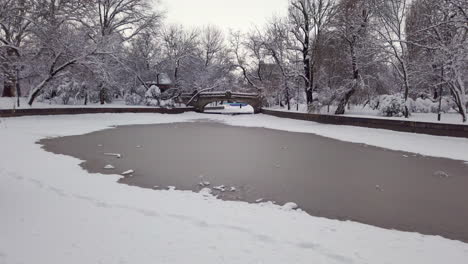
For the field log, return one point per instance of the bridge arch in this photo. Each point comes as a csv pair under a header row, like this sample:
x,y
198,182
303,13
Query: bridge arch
x,y
201,100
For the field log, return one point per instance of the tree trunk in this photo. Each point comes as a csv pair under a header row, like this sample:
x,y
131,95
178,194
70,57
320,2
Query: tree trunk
x,y
10,76
35,92
307,74
345,100
86,98
342,105
406,81
462,97
102,95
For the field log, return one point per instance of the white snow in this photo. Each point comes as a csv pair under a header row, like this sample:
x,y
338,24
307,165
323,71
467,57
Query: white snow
x,y
62,214
228,109
109,167
10,103
358,111
205,191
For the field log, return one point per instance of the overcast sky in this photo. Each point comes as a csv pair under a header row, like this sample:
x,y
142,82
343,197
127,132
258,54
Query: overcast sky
x,y
235,14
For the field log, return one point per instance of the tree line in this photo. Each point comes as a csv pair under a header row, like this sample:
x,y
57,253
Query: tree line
x,y
392,55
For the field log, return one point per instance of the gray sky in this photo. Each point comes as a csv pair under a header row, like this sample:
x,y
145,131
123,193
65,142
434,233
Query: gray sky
x,y
235,14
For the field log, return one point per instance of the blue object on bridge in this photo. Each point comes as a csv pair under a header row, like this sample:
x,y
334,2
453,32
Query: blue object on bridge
x,y
238,104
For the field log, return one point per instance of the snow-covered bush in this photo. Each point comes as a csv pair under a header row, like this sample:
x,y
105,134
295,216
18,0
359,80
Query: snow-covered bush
x,y
167,103
422,105
141,91
153,92
133,99
426,105
152,96
392,105
64,93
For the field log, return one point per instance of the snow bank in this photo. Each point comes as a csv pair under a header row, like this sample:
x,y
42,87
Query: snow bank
x,y
417,115
52,211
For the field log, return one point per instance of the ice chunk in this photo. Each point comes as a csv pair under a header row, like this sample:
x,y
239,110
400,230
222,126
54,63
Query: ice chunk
x,y
441,174
205,191
233,189
128,172
259,200
220,188
205,183
290,206
117,155
171,188
109,167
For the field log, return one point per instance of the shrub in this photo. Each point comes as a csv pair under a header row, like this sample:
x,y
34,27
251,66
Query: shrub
x,y
392,105
133,99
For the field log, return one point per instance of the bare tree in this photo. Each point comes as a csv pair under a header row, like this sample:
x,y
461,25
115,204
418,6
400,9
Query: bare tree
x,y
125,17
211,43
245,51
277,43
391,15
309,19
437,40
61,44
14,28
352,25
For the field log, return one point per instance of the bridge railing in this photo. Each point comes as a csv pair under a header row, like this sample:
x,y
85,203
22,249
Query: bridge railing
x,y
221,94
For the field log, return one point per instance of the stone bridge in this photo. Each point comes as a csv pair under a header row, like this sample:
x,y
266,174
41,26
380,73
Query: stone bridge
x,y
200,99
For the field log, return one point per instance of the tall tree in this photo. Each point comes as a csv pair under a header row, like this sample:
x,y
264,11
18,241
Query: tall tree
x,y
442,40
352,25
391,15
15,22
309,19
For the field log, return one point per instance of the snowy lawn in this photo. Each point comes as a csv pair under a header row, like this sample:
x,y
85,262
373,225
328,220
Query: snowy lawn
x,y
52,211
358,111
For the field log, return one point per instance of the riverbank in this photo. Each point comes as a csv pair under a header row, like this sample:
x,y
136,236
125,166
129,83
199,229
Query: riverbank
x,y
54,211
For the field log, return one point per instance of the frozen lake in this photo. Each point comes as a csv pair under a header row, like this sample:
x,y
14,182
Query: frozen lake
x,y
325,177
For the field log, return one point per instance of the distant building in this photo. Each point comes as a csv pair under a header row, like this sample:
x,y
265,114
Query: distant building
x,y
162,81
270,72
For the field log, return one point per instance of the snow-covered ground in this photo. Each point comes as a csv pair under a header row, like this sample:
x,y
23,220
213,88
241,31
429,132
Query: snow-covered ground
x,y
52,211
358,111
10,103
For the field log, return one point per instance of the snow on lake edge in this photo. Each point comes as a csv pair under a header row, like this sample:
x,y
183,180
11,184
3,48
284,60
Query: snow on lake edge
x,y
62,214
